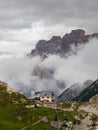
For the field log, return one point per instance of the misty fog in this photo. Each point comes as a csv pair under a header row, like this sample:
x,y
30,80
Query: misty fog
x,y
17,71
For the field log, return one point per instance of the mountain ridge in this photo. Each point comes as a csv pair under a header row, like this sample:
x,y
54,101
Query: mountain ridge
x,y
61,46
87,93
73,91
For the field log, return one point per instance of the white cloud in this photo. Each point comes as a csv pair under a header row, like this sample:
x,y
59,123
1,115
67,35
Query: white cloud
x,y
77,68
17,72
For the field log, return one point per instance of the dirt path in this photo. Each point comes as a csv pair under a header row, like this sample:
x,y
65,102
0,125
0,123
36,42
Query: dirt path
x,y
31,125
62,109
34,123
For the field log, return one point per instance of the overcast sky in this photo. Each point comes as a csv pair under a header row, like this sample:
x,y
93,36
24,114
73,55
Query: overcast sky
x,y
24,22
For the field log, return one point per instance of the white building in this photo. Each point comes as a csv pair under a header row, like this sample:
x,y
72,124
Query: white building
x,y
45,96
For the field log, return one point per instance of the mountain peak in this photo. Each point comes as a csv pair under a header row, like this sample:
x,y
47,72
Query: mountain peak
x,y
61,46
78,31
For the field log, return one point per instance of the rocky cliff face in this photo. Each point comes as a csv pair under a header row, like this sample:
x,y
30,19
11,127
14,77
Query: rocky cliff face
x,y
61,46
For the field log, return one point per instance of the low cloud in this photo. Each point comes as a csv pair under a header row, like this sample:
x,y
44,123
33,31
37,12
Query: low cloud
x,y
18,71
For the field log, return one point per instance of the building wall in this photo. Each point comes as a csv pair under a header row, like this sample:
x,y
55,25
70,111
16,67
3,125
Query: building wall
x,y
46,98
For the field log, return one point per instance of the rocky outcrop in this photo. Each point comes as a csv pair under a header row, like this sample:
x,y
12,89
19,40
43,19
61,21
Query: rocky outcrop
x,y
43,73
61,46
51,46
45,119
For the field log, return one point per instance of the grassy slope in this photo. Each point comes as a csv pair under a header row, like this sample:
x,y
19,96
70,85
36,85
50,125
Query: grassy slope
x,y
8,120
14,115
41,126
58,115
12,109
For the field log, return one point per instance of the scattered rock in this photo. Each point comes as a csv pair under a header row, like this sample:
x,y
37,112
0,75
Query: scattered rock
x,y
57,124
45,119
